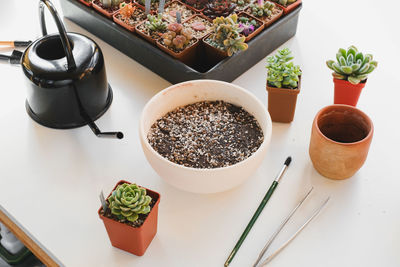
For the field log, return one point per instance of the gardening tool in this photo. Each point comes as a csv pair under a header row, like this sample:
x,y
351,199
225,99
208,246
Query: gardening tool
x,y
268,244
66,76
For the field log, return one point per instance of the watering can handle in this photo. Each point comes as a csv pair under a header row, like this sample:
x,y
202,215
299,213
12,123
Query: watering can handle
x,y
63,34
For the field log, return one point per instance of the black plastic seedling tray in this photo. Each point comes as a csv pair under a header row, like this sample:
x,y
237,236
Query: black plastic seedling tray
x,y
171,69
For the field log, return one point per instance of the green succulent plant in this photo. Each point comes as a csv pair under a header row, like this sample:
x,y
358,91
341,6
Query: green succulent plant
x,y
351,65
110,3
227,36
156,23
282,73
127,201
284,2
261,8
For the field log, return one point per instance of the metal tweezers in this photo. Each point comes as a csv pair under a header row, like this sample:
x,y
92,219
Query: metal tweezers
x,y
270,257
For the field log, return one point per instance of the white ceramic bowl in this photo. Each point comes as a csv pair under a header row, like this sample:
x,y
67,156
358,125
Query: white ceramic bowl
x,y
203,180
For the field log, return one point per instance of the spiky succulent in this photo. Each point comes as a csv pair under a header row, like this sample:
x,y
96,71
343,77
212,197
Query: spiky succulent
x,y
156,23
261,8
127,201
351,65
284,2
227,36
282,73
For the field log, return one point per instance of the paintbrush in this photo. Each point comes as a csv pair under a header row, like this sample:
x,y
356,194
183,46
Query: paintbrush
x,y
15,43
258,211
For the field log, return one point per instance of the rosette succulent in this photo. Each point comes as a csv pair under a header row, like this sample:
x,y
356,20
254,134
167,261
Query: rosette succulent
x,y
352,65
282,73
218,8
247,26
227,36
127,201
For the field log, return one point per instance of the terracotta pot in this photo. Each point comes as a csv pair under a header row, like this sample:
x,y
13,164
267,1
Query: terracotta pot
x,y
186,56
346,92
207,31
122,23
282,103
259,22
268,21
290,7
89,4
133,239
340,140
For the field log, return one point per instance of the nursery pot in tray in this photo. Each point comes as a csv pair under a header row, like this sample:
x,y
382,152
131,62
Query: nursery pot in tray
x,y
282,102
346,92
133,239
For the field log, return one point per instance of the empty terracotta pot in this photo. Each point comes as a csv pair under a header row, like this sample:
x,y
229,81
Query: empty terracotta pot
x,y
340,140
346,92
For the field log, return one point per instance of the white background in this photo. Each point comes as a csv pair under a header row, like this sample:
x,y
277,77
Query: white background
x,y
50,179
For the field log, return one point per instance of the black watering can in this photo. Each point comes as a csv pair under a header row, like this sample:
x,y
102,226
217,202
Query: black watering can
x,y
68,86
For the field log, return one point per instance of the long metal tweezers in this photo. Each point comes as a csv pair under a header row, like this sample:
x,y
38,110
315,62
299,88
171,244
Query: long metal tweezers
x,y
268,244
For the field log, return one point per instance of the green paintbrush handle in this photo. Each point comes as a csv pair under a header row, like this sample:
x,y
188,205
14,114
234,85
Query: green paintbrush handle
x,y
252,221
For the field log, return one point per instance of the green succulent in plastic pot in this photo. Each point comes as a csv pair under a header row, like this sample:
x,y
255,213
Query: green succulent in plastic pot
x,y
352,65
282,73
127,201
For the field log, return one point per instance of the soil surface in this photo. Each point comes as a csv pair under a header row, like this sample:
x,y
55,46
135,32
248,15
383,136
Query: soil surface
x,y
207,134
198,19
170,12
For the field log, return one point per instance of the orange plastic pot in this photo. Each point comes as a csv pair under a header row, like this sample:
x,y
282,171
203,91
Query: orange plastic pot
x,y
346,92
186,56
213,54
133,239
122,23
340,139
290,7
102,10
89,4
282,103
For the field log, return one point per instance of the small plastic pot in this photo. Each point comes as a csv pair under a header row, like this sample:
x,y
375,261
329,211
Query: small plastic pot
x,y
213,54
105,12
186,56
269,20
144,35
194,31
89,4
289,8
179,3
256,31
346,92
133,239
282,103
125,25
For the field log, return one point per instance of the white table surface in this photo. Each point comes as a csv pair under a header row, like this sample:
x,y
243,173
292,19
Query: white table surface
x,y
50,179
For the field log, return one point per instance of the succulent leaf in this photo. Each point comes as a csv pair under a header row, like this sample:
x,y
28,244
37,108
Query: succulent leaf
x,y
281,72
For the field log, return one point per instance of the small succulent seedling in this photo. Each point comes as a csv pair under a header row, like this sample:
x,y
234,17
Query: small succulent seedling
x,y
282,73
126,10
156,23
352,65
127,201
261,8
247,26
227,36
177,36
